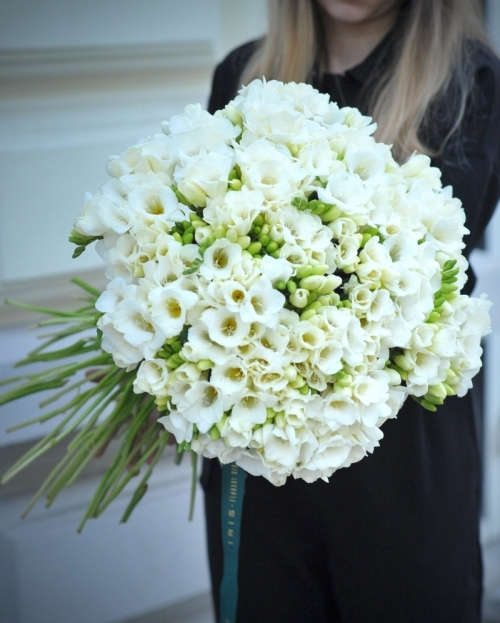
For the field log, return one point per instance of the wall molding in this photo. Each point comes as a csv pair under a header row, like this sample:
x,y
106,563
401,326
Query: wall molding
x,y
19,67
54,291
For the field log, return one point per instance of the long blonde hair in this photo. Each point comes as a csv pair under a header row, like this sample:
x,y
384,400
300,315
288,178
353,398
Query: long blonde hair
x,y
431,50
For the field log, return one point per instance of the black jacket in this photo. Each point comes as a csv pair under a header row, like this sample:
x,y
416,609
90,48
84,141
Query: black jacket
x,y
395,537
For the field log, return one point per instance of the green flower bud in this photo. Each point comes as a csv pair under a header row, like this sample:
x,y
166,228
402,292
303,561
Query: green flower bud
x,y
365,238
204,364
308,314
447,288
394,376
172,362
402,373
345,381
187,238
291,286
433,399
221,422
258,221
318,207
290,373
244,241
331,215
433,317
300,203
428,405
235,184
280,420
271,247
450,273
214,433
311,298
449,389
438,390
219,232
254,248
275,254
331,283
451,375
312,283
178,237
402,362
304,271
232,235
315,305
319,269
304,389
264,240
265,229
281,285
299,381
344,391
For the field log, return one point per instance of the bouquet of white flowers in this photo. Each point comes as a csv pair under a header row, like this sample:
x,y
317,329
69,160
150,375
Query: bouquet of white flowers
x,y
278,286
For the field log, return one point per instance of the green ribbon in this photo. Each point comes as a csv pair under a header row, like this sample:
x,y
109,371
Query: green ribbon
x,y
233,489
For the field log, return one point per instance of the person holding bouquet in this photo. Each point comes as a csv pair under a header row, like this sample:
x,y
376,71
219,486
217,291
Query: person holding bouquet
x,y
394,538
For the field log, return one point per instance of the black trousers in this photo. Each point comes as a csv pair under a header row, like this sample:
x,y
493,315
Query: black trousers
x,y
391,539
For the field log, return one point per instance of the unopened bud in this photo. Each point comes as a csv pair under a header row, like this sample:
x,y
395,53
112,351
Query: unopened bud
x,y
299,298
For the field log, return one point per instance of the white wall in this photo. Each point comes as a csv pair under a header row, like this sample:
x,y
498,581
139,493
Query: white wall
x,y
80,81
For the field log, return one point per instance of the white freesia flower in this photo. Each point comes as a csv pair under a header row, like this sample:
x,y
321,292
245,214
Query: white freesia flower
x,y
178,425
133,321
152,378
204,405
247,412
230,377
169,307
220,259
204,175
262,303
224,327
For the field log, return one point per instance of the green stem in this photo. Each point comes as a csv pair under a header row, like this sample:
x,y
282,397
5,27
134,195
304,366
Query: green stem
x,y
194,482
85,286
142,488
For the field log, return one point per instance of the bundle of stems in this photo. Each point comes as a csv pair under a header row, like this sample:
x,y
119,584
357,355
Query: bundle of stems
x,y
97,408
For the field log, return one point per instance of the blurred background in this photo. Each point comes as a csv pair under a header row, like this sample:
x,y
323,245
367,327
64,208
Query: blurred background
x,y
80,81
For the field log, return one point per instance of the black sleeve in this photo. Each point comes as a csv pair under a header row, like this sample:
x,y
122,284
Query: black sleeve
x,y
474,172
226,78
